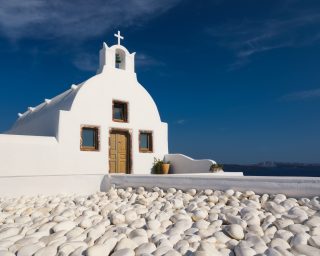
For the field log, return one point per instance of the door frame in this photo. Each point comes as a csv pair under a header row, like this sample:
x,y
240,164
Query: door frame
x,y
129,147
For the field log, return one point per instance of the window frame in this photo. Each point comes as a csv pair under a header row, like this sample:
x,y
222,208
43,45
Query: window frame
x,y
150,142
125,111
96,129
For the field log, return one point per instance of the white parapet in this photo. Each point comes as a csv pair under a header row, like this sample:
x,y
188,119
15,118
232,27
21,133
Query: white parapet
x,y
184,164
181,164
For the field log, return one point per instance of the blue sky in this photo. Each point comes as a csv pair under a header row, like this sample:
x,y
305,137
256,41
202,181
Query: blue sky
x,y
237,81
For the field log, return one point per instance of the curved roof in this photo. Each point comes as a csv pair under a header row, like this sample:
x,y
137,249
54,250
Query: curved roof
x,y
117,46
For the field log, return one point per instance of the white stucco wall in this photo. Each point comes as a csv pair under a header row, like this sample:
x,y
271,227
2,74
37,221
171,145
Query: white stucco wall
x,y
57,150
32,185
27,155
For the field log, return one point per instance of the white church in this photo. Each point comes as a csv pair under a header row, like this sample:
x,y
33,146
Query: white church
x,y
107,124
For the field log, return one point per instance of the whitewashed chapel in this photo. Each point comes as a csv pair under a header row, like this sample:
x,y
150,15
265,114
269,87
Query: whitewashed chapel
x,y
107,124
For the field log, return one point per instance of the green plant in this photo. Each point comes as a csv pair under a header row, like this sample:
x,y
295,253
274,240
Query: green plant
x,y
216,167
156,168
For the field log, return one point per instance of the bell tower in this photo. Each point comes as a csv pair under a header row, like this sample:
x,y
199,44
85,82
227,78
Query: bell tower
x,y
116,57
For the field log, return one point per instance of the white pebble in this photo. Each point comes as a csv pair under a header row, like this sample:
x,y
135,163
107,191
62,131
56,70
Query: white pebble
x,y
235,231
199,214
130,216
153,225
244,251
315,241
64,225
7,232
125,243
306,250
102,249
117,218
123,252
47,251
145,248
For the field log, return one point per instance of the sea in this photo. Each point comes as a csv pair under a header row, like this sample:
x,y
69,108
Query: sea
x,y
253,170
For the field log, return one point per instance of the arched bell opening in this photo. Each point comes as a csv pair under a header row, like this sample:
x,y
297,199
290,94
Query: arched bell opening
x,y
120,59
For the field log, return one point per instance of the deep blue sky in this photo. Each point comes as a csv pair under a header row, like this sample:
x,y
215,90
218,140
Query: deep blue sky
x,y
237,81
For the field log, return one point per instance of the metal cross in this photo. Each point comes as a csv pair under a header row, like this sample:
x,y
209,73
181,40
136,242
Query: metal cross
x,y
119,37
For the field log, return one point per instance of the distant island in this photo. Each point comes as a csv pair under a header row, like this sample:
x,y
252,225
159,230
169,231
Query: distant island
x,y
272,168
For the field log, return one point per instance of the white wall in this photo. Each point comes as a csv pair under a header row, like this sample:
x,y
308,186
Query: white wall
x,y
28,155
51,185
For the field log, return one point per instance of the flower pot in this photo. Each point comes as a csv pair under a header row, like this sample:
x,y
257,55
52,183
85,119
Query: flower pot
x,y
165,168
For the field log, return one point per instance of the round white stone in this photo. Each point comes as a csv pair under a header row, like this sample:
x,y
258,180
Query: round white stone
x,y
145,248
153,225
102,249
125,243
130,216
64,225
235,231
199,214
123,252
117,218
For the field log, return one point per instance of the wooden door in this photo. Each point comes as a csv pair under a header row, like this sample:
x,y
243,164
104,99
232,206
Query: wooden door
x,y
119,152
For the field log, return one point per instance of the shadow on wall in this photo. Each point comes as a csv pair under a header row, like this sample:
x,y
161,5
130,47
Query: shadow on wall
x,y
183,164
105,183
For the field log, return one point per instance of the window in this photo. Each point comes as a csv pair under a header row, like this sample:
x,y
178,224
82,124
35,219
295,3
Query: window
x,y
120,111
89,138
145,142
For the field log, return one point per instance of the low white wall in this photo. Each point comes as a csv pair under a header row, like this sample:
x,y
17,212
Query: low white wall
x,y
291,186
15,186
11,186
184,164
28,155
24,155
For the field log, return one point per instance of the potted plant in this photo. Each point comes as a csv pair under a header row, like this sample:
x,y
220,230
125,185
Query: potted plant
x,y
156,168
165,167
216,168
160,167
